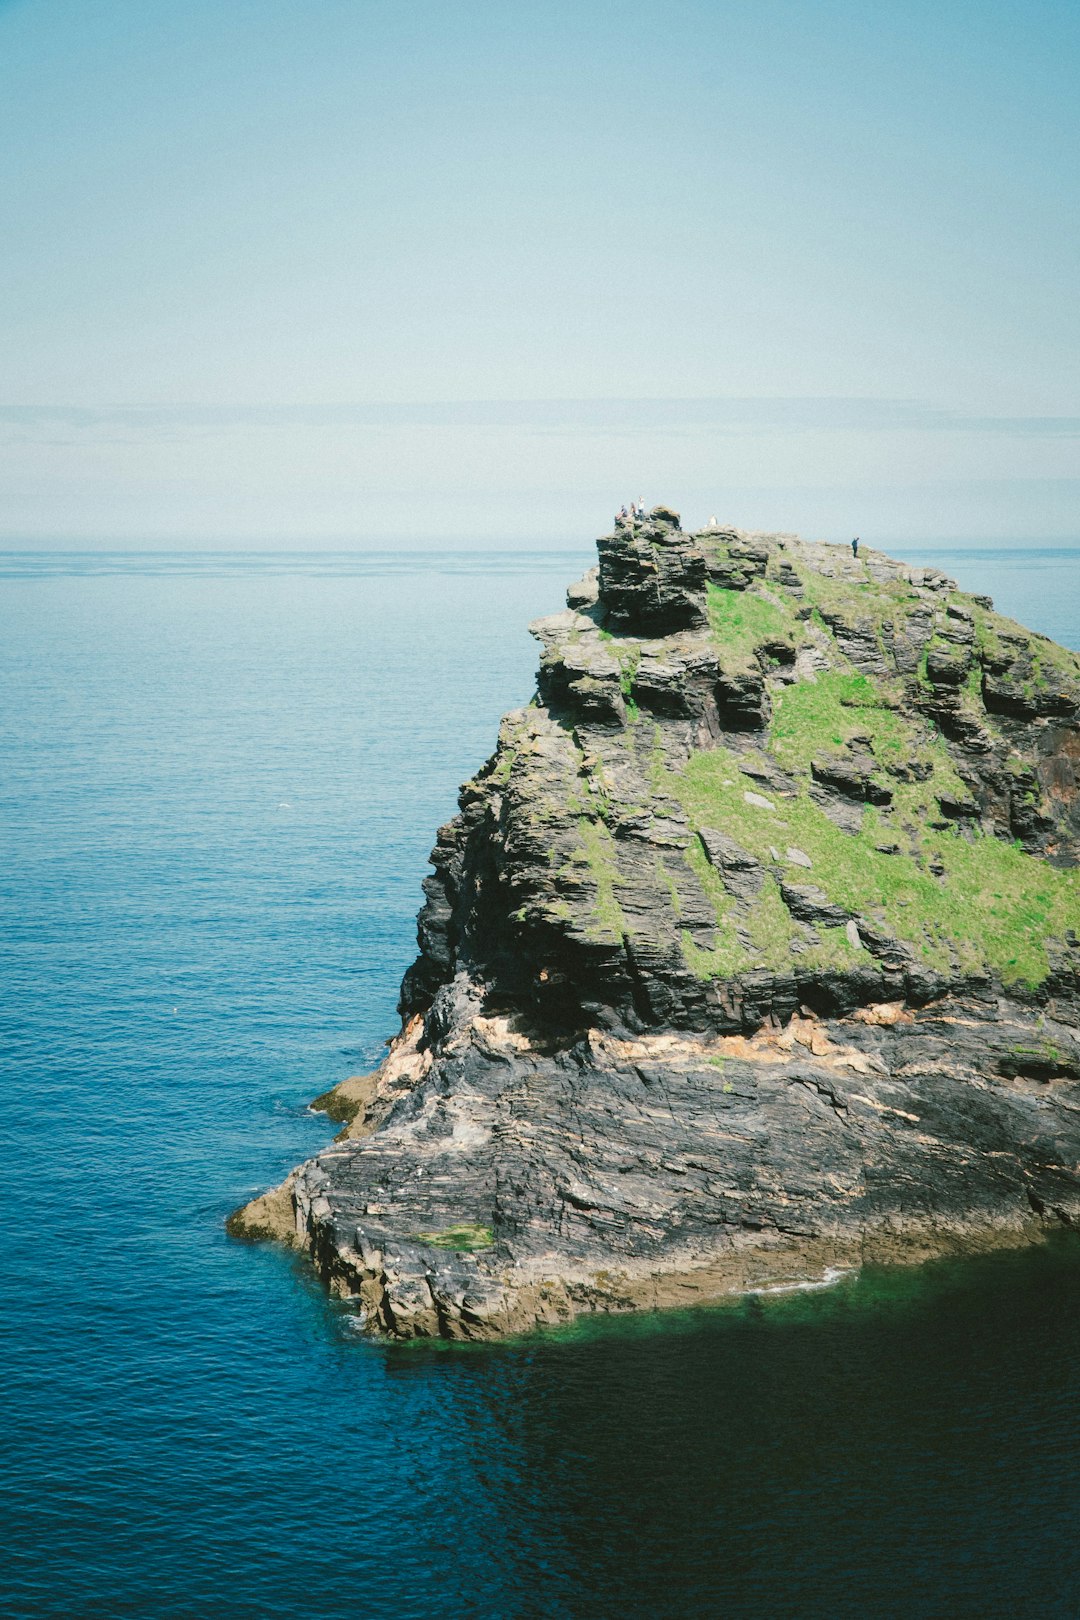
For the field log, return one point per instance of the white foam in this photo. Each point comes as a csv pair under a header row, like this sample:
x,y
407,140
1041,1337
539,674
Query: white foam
x,y
832,1274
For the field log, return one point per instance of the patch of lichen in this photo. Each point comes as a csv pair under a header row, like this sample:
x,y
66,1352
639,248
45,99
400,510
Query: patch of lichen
x,y
348,1100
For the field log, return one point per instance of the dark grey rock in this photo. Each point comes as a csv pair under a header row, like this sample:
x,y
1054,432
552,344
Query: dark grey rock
x,y
652,577
811,904
741,873
851,777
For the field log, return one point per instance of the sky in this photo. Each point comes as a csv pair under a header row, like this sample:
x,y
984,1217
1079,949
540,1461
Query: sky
x,y
329,273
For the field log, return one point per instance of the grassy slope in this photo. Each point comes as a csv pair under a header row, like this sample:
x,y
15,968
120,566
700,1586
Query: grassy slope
x,y
991,907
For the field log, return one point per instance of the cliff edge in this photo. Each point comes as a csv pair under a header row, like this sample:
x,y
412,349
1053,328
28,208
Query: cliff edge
x,y
752,952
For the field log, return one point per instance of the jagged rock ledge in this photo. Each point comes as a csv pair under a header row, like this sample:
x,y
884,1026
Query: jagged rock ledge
x,y
750,956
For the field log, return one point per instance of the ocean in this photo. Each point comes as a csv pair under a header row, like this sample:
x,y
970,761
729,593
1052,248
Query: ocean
x,y
220,776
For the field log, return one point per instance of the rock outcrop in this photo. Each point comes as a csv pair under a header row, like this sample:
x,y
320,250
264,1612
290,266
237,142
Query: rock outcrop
x,y
752,952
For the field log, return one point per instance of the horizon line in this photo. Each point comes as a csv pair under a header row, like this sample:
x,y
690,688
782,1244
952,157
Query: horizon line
x,y
733,413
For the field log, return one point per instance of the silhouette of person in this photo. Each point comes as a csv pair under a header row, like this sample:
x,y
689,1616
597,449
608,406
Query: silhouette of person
x,y
855,546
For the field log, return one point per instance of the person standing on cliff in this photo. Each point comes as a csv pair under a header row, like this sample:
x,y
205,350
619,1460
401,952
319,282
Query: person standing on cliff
x,y
855,547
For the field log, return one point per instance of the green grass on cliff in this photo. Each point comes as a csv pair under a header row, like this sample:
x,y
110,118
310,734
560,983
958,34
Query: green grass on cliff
x,y
628,657
815,718
960,899
1052,666
598,848
762,937
727,954
992,907
466,1237
842,596
742,620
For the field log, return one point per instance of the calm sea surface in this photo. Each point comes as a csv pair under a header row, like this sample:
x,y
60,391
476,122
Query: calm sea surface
x,y
219,780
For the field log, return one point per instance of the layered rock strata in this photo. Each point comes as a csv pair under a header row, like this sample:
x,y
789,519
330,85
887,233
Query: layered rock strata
x,y
751,952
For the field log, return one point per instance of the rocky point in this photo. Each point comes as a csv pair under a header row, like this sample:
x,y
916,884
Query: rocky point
x,y
751,953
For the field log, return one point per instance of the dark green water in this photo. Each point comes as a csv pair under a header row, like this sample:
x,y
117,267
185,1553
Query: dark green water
x,y
219,780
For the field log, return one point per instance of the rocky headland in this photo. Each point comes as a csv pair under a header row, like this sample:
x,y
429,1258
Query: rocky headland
x,y
752,953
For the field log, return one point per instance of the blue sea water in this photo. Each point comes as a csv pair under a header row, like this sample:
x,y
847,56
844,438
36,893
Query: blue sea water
x,y
219,780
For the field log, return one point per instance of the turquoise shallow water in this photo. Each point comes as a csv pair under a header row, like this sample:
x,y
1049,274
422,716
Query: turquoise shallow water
x,y
219,780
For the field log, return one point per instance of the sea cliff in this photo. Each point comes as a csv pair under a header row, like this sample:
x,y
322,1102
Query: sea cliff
x,y
751,953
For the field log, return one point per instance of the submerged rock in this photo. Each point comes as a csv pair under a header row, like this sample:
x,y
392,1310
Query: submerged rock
x,y
644,1057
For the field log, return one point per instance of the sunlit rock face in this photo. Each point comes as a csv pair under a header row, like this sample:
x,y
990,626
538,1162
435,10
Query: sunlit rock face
x,y
752,951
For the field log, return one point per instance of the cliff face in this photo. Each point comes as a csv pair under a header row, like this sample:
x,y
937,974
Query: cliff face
x,y
752,951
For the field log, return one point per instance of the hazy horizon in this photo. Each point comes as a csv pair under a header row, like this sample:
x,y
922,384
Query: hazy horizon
x,y
281,275
383,547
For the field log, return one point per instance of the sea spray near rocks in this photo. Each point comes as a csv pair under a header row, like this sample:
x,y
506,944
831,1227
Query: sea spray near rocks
x,y
751,953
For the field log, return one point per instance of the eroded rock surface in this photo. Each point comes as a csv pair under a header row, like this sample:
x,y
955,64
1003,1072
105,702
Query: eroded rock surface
x,y
751,952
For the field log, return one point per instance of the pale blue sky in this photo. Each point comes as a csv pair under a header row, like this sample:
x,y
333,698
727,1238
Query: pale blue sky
x,y
347,271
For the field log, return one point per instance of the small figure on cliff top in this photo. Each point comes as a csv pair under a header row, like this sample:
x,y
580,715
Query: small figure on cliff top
x,y
855,546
